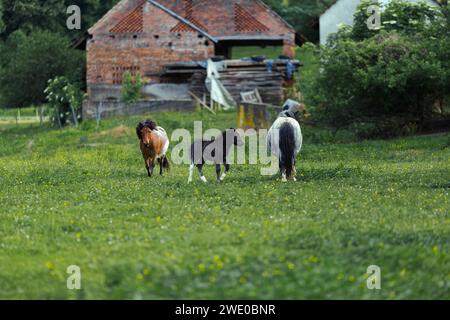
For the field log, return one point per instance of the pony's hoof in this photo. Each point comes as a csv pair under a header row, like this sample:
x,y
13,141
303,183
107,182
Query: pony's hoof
x,y
294,179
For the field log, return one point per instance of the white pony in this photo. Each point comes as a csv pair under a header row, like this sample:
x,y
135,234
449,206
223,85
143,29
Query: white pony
x,y
285,139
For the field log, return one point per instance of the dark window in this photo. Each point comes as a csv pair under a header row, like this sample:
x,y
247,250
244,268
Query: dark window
x,y
118,72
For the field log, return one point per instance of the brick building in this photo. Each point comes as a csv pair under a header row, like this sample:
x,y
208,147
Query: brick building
x,y
143,36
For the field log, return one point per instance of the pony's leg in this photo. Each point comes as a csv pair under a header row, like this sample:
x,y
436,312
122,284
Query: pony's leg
x,y
191,172
294,173
147,167
218,170
200,170
227,169
160,162
283,175
150,167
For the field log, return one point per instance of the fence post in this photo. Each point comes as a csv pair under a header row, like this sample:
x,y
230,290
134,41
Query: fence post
x,y
41,112
75,120
58,117
98,111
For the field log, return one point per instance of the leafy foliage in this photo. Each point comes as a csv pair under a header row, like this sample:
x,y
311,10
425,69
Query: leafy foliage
x,y
302,15
28,15
131,88
2,24
28,61
399,71
35,46
360,30
398,15
65,99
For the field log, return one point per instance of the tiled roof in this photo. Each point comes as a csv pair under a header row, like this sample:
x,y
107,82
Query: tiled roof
x,y
245,22
133,22
211,18
188,15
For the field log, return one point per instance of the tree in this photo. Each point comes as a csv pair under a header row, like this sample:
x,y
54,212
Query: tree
x,y
360,29
397,16
2,24
28,61
302,15
27,15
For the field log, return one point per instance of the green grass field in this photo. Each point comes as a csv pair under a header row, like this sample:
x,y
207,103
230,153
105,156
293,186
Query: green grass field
x,y
81,197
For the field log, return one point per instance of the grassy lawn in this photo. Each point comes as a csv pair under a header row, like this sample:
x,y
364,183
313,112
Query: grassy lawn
x,y
81,197
270,52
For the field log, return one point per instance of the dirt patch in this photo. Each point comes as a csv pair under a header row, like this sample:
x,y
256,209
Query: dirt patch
x,y
118,132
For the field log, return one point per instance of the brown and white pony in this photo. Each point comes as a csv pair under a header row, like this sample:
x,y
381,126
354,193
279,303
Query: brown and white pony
x,y
154,144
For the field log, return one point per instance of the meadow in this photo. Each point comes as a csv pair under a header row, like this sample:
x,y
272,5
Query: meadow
x,y
81,197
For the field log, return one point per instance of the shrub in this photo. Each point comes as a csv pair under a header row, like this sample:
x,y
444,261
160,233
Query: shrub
x,y
398,15
395,73
131,88
65,100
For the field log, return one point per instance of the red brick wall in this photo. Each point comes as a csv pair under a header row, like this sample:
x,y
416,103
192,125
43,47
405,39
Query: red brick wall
x,y
110,54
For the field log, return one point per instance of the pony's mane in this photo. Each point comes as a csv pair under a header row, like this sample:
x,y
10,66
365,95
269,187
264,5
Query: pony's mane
x,y
145,124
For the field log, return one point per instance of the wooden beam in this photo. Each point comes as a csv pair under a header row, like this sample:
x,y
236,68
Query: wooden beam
x,y
199,101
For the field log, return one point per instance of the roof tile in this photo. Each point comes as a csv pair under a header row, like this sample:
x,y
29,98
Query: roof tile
x,y
133,21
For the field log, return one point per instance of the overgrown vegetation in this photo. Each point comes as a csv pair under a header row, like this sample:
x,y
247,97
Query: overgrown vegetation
x,y
28,61
131,88
65,101
385,82
302,15
35,47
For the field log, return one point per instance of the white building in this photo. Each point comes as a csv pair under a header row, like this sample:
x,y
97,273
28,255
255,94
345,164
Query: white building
x,y
342,12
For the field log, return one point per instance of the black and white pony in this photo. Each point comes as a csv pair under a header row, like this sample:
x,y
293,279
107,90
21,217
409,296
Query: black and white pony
x,y
215,150
285,139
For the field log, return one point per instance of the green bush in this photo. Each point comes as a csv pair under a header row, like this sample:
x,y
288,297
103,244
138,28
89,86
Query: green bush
x,y
309,55
65,101
392,74
397,15
131,88
27,61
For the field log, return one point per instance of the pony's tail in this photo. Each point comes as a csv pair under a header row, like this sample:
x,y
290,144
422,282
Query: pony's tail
x,y
166,164
287,145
